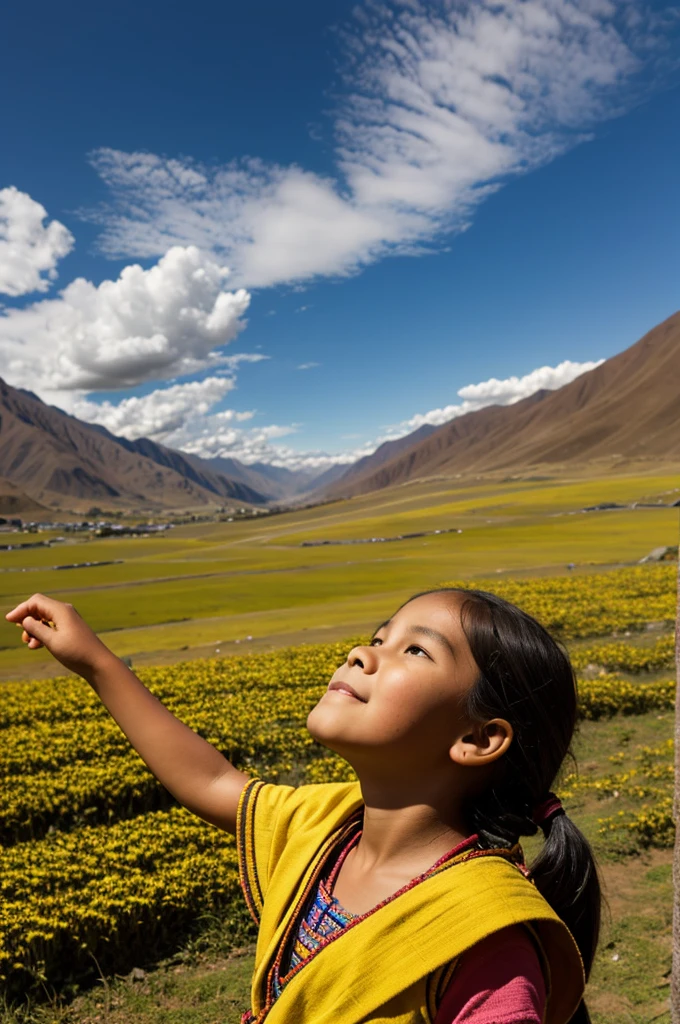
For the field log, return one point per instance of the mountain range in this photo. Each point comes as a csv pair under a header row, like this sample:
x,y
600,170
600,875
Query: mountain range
x,y
51,460
625,411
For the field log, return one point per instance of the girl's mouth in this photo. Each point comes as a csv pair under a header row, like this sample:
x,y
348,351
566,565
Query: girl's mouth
x,y
340,687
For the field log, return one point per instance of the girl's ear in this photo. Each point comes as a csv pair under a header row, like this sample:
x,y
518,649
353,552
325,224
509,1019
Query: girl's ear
x,y
483,744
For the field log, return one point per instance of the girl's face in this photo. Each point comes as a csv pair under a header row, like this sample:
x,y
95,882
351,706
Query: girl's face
x,y
397,700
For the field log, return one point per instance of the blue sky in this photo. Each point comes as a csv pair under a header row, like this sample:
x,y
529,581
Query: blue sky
x,y
412,200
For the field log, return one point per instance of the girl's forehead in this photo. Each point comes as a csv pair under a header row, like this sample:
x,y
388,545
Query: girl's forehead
x,y
440,610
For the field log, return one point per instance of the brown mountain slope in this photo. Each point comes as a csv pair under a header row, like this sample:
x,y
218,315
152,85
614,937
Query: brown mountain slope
x,y
61,462
13,501
385,453
627,408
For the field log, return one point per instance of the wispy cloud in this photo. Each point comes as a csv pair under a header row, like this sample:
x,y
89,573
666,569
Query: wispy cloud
x,y
442,103
29,249
308,366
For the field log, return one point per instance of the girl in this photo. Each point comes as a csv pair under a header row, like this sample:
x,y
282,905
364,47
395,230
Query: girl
x,y
402,897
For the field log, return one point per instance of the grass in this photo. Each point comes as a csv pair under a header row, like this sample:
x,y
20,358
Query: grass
x,y
630,981
206,585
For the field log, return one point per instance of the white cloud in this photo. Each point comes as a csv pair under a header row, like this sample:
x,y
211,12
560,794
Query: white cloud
x,y
308,366
29,249
215,437
442,103
161,413
149,324
497,392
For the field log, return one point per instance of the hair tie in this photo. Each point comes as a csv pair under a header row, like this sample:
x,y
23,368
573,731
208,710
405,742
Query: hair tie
x,y
547,809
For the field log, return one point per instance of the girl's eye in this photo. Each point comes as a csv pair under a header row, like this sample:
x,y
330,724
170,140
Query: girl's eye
x,y
418,650
376,640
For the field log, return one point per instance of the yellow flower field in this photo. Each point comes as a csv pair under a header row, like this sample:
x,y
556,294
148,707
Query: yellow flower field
x,y
97,862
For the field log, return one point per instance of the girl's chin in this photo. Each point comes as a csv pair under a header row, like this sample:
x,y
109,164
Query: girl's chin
x,y
327,730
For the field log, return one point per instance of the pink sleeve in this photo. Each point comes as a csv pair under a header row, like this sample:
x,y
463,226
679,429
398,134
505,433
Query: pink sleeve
x,y
498,981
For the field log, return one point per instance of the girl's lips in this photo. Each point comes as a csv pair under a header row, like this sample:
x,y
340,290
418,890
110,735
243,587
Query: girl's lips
x,y
340,687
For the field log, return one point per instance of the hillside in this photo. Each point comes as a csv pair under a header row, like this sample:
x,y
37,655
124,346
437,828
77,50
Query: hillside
x,y
60,462
13,501
626,410
385,453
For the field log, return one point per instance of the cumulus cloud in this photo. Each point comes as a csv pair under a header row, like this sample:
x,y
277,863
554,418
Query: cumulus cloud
x,y
29,248
147,325
218,437
497,392
441,103
161,413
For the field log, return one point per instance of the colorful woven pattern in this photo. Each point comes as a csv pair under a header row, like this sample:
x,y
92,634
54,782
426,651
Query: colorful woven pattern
x,y
324,918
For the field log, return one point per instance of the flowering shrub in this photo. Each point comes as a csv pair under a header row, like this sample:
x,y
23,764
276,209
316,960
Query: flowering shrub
x,y
113,892
622,657
572,607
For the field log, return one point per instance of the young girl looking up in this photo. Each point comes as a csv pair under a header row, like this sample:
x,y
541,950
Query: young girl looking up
x,y
402,897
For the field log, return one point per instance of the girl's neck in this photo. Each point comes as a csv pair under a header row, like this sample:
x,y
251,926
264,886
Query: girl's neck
x,y
407,829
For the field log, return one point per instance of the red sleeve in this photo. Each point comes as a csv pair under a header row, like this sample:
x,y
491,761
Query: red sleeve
x,y
498,981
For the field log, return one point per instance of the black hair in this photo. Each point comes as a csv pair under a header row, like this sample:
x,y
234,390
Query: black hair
x,y
525,677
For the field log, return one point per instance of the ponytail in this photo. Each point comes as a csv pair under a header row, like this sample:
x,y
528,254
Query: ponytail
x,y
527,678
566,875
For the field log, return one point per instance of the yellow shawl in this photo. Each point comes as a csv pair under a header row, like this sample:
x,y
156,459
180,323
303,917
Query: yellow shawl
x,y
389,964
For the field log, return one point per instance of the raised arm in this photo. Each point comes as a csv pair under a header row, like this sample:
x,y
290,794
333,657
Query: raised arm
x,y
190,768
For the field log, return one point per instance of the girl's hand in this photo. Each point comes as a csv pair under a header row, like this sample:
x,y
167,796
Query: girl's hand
x,y
58,627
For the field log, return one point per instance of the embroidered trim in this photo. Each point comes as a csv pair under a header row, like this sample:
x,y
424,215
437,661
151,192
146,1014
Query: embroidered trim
x,y
245,832
328,914
270,991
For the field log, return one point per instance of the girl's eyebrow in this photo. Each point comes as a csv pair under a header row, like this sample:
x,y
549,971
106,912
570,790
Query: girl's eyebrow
x,y
434,635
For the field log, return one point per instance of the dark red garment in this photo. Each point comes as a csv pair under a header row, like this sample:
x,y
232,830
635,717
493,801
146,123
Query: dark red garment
x,y
498,981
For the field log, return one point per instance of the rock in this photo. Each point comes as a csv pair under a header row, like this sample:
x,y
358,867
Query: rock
x,y
660,555
137,974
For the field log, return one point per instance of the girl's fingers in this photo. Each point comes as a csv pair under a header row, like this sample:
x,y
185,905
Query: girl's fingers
x,y
19,613
31,641
38,606
36,628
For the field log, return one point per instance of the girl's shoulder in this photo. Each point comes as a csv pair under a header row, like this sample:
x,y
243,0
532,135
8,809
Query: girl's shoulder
x,y
498,980
301,806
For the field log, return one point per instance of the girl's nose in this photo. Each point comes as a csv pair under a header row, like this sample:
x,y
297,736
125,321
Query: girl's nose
x,y
363,657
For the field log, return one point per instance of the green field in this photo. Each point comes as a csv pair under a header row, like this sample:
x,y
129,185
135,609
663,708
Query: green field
x,y
205,586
